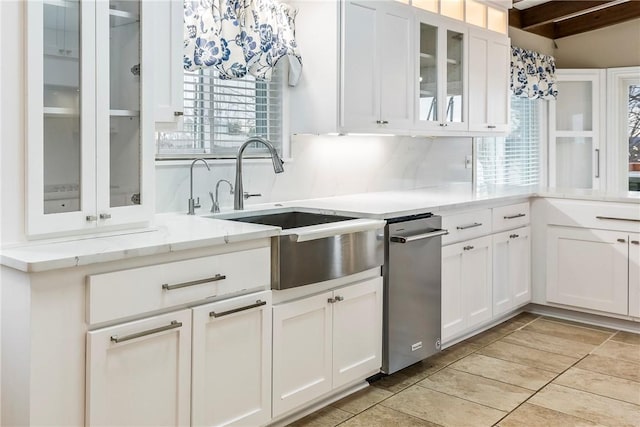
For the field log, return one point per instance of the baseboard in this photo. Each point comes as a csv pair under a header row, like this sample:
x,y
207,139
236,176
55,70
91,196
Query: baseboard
x,y
581,317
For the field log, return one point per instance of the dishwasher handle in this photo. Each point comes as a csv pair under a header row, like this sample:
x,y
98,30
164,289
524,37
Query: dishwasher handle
x,y
407,239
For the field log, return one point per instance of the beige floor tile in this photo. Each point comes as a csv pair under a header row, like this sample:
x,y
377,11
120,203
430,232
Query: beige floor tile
x,y
611,366
453,353
568,332
604,385
396,382
502,370
524,317
361,400
325,417
589,406
537,416
619,350
442,408
528,356
627,338
584,325
549,343
494,394
495,333
381,416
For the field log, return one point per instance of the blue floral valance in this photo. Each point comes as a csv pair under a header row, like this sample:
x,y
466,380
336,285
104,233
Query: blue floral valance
x,y
533,75
237,37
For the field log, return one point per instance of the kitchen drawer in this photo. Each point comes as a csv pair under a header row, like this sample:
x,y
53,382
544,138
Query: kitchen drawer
x,y
467,225
510,217
127,293
599,215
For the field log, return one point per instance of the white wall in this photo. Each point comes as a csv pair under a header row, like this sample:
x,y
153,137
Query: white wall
x,y
325,166
525,40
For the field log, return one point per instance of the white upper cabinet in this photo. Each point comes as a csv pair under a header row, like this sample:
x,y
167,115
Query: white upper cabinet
x,y
576,143
441,65
90,139
489,93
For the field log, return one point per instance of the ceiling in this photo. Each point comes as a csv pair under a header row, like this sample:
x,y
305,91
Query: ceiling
x,y
558,18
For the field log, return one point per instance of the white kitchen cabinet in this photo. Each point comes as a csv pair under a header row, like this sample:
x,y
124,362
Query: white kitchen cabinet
x,y
634,275
139,373
588,268
89,121
377,87
466,285
325,341
441,64
511,270
489,93
231,362
168,73
576,130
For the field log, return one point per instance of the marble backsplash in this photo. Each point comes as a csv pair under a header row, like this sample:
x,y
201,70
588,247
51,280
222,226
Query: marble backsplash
x,y
323,166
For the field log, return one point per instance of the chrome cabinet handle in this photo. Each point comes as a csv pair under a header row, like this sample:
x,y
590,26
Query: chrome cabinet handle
x,y
217,277
178,113
491,126
618,219
622,241
331,300
468,248
514,236
338,298
173,325
465,227
444,125
597,162
382,122
258,303
91,218
105,216
635,242
407,239
520,215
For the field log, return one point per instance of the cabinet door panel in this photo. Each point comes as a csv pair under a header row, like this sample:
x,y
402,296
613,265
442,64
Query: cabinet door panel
x,y
634,275
502,286
520,266
453,315
302,339
477,280
478,87
231,381
141,381
357,331
498,63
360,71
588,268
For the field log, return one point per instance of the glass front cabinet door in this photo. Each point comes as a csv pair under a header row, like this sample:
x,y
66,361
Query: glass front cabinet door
x,y
90,144
442,73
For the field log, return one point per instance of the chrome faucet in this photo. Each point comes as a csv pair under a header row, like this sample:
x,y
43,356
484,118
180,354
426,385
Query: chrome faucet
x,y
215,207
238,201
193,204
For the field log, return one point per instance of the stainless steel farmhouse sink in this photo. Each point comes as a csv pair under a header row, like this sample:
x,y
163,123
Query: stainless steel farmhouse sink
x,y
314,247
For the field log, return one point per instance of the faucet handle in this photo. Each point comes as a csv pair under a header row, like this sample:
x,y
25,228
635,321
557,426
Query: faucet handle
x,y
247,195
196,203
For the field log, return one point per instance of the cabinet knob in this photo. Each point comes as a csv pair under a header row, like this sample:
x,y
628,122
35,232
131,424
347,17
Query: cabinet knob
x,y
91,218
468,248
105,216
444,125
331,300
382,122
338,298
178,113
491,126
514,236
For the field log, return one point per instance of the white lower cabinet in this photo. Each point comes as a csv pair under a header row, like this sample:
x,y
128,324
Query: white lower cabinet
x,y
139,373
466,285
231,362
511,269
634,275
591,268
325,341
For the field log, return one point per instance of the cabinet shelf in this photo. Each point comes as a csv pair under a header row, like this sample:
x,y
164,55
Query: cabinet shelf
x,y
124,113
429,56
60,112
118,18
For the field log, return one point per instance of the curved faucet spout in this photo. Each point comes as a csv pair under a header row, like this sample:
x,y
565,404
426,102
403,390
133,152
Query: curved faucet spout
x,y
238,201
193,204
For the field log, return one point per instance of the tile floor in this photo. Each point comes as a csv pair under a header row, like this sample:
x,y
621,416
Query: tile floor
x,y
528,371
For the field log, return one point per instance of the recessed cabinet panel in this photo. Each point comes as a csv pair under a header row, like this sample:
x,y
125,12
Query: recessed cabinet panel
x,y
574,162
574,107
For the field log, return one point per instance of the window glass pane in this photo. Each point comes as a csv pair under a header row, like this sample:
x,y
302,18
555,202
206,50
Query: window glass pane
x,y
634,137
219,115
514,160
428,72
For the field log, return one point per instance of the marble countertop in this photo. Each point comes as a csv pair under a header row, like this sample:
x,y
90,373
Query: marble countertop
x,y
175,232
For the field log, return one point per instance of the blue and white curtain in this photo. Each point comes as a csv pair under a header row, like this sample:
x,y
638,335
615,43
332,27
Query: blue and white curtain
x,y
237,37
533,75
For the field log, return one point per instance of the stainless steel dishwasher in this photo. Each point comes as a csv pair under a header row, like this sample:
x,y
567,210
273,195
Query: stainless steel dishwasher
x,y
412,290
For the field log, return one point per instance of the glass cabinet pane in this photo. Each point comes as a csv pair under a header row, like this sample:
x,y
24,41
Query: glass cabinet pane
x,y
124,76
61,93
428,73
574,167
573,108
455,43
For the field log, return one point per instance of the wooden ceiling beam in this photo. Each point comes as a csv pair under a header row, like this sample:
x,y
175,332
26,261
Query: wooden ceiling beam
x,y
554,10
599,19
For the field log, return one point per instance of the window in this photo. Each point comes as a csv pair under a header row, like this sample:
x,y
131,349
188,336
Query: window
x,y
219,115
633,112
514,160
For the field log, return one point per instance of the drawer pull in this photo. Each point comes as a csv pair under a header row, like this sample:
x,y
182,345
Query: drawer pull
x,y
622,241
520,215
514,236
618,219
338,298
464,227
635,242
215,278
491,126
258,303
173,325
467,248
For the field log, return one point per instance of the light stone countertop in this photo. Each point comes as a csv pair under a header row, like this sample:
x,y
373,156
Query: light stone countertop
x,y
177,231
